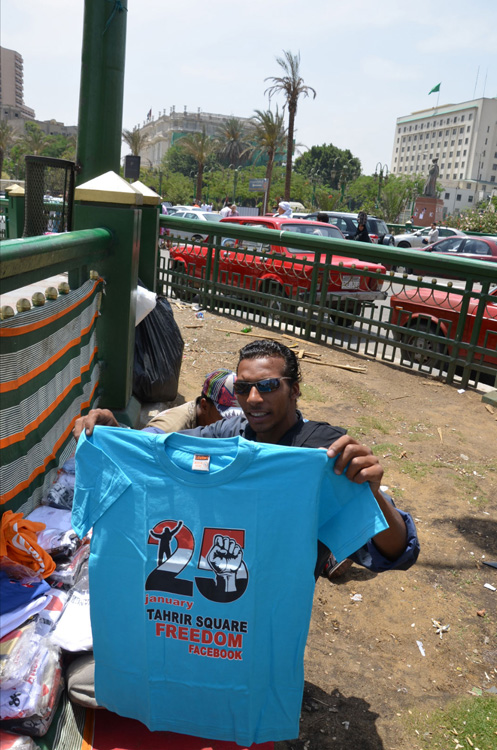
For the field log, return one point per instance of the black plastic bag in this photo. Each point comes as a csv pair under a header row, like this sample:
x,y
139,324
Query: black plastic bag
x,y
158,354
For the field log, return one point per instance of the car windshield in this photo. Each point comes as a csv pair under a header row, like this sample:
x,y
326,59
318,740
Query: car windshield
x,y
317,231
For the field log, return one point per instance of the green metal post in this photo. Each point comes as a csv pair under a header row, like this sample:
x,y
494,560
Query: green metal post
x,y
147,268
101,88
15,225
116,326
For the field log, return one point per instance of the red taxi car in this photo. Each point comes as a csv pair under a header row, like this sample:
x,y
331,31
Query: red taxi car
x,y
421,311
283,271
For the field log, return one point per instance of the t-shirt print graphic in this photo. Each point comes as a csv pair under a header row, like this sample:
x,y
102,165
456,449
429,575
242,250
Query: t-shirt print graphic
x,y
221,554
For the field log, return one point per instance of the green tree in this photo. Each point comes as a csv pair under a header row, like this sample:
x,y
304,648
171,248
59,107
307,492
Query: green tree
x,y
135,139
200,147
291,84
232,139
7,138
270,139
34,139
332,164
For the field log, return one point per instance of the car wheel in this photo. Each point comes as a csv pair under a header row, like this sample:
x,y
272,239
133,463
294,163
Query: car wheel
x,y
426,351
348,306
403,243
276,305
178,278
197,238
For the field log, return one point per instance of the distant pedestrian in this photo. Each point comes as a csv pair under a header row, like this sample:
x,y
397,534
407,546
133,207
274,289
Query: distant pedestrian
x,y
233,211
323,217
284,210
433,233
362,234
226,211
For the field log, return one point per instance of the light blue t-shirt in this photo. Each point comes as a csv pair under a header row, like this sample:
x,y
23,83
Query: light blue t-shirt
x,y
201,575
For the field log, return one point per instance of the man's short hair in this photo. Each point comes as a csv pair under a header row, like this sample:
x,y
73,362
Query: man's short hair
x,y
269,348
323,217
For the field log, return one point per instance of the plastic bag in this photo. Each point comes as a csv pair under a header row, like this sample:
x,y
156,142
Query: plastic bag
x,y
67,573
9,741
59,544
59,496
73,630
158,354
32,706
145,303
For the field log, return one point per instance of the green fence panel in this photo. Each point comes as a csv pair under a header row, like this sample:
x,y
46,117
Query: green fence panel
x,y
344,294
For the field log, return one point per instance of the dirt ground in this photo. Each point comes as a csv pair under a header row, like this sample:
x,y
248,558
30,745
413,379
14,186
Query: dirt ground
x,y
373,666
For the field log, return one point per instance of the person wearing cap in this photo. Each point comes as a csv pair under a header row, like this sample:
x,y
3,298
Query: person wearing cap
x,y
284,209
216,401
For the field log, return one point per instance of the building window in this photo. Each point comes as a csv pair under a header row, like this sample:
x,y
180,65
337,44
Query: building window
x,y
416,127
410,128
468,186
470,117
449,165
458,197
456,165
397,150
494,168
463,163
446,143
462,118
492,179
454,131
466,141
446,132
470,199
439,144
447,196
459,142
461,130
452,143
415,138
440,132
461,176
451,153
454,177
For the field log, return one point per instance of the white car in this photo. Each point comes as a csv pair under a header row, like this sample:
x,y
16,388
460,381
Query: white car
x,y
196,215
420,237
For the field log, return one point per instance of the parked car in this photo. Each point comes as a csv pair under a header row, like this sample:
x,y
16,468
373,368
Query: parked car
x,y
476,248
347,224
196,215
420,237
421,311
283,271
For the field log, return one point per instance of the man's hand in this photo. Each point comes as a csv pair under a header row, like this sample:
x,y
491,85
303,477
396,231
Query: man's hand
x,y
225,557
362,466
95,416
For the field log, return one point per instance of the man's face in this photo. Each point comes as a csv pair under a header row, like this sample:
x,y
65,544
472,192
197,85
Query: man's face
x,y
272,414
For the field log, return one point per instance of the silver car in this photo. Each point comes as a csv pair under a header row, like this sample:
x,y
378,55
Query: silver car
x,y
196,215
420,237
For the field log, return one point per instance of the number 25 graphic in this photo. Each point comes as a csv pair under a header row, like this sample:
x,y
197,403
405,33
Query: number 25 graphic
x,y
221,553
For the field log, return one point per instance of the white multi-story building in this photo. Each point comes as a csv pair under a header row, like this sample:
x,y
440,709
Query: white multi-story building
x,y
163,131
463,137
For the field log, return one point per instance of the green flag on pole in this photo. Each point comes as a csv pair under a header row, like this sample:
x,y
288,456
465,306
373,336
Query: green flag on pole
x,y
434,89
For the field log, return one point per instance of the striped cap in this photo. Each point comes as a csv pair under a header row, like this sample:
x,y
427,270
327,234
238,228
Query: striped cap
x,y
218,386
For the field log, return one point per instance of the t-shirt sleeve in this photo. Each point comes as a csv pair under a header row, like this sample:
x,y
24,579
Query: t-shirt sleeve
x,y
349,514
99,482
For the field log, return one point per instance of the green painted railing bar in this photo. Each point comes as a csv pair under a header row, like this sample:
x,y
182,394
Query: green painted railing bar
x,y
101,89
149,247
25,261
116,325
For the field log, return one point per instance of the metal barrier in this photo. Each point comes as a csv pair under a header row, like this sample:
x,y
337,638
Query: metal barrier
x,y
49,373
311,287
4,215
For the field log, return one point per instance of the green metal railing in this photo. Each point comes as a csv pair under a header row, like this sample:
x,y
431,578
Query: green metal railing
x,y
4,217
368,310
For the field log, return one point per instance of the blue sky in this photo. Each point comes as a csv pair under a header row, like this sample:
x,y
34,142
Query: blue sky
x,y
369,62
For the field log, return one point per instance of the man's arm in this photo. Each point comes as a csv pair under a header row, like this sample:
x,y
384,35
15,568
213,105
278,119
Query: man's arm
x,y
360,465
95,416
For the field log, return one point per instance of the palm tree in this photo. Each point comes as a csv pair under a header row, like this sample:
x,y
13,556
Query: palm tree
x,y
200,147
292,85
6,140
34,139
232,140
135,139
270,138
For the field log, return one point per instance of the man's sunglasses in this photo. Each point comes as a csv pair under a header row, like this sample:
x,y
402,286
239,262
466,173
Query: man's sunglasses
x,y
263,386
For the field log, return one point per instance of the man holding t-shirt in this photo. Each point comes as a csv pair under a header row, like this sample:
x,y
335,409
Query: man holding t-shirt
x,y
267,388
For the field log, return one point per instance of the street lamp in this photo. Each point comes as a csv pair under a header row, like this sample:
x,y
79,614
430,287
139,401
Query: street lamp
x,y
378,174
